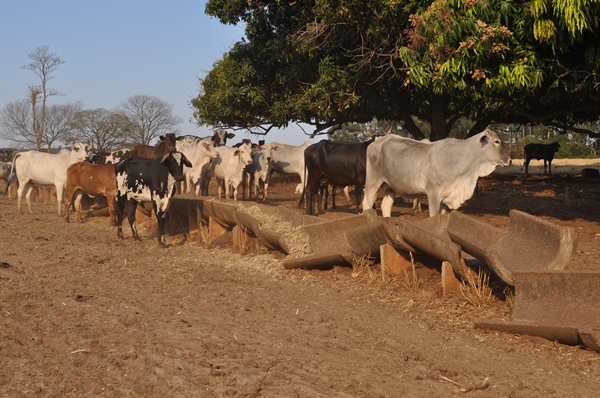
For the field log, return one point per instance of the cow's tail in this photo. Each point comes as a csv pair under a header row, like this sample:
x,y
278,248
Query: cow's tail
x,y
303,192
12,175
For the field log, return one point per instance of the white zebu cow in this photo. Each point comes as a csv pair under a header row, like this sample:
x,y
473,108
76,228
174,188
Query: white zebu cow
x,y
228,168
199,152
46,169
289,159
446,170
261,167
8,177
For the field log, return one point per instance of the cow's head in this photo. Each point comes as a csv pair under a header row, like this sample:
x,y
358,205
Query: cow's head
x,y
555,146
208,148
245,154
174,162
79,153
220,137
169,140
495,152
266,149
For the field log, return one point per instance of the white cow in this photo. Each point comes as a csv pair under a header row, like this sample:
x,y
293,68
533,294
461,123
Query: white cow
x,y
199,151
46,169
446,170
228,168
289,159
261,167
8,177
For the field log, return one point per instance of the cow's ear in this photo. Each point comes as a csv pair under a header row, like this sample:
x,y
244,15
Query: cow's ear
x,y
88,148
259,148
165,158
185,161
236,153
484,140
161,137
230,135
276,148
179,138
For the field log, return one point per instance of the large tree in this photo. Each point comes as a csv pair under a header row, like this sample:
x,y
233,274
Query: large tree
x,y
149,118
43,63
103,129
18,122
327,63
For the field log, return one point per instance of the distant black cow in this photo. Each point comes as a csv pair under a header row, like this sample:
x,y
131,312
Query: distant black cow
x,y
148,180
342,163
106,158
541,151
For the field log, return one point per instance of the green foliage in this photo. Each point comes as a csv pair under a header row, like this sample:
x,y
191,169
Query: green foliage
x,y
426,65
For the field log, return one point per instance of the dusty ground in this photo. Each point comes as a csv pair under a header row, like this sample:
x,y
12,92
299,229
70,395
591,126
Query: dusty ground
x,y
84,314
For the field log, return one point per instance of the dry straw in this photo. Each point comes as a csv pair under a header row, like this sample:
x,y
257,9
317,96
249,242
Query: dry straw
x,y
476,290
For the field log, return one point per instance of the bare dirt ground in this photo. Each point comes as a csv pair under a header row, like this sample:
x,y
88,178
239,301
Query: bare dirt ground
x,y
85,314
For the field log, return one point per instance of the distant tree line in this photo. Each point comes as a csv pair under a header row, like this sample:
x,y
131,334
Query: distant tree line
x,y
33,123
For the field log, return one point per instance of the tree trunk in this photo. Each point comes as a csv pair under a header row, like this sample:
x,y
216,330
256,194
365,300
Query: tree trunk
x,y
439,131
479,126
413,129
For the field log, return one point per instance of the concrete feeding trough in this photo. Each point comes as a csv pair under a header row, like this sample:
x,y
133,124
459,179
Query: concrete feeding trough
x,y
561,306
528,244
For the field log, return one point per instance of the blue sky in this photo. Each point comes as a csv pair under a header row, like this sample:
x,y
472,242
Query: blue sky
x,y
117,49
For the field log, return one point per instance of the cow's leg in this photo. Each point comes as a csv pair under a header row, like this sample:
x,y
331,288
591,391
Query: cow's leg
x,y
358,191
78,197
549,167
131,208
435,204
111,208
68,198
28,191
387,203
527,165
20,189
60,195
121,200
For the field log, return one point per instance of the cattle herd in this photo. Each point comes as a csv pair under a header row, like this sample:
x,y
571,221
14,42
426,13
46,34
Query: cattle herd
x,y
444,171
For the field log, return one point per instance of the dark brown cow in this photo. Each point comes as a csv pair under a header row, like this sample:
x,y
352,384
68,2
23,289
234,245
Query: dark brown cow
x,y
167,146
541,151
94,180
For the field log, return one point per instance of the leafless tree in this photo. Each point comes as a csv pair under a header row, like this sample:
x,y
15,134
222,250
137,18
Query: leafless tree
x,y
103,129
150,117
59,121
17,123
43,63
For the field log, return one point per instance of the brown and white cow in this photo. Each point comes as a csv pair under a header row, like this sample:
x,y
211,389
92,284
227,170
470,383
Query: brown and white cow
x,y
93,180
446,170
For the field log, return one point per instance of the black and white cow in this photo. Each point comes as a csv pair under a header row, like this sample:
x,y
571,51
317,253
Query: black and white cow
x,y
148,180
105,158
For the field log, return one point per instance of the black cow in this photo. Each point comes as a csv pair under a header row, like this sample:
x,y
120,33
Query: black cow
x,y
342,163
541,151
148,180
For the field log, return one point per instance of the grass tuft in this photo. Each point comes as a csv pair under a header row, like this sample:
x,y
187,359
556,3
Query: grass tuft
x,y
477,291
